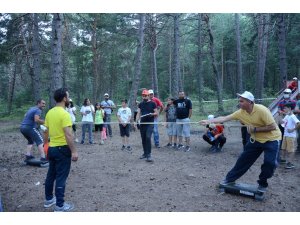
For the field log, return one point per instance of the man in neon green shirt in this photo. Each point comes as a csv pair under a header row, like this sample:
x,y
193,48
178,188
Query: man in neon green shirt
x,y
60,153
265,138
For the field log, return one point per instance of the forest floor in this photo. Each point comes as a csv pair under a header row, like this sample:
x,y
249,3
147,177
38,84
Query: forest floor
x,y
105,178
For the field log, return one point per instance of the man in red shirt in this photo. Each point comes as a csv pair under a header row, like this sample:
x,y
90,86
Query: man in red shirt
x,y
215,137
160,108
293,85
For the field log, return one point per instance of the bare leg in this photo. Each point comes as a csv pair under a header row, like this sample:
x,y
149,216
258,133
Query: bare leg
x,y
41,150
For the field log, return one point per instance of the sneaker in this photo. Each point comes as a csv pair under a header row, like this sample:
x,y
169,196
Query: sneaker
x,y
289,166
261,189
226,182
28,157
49,203
174,145
149,159
169,145
76,140
187,149
123,147
180,146
157,146
65,208
101,142
82,142
143,157
128,148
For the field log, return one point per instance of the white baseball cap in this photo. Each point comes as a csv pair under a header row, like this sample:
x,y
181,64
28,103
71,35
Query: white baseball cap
x,y
288,91
210,117
106,94
150,91
295,78
247,95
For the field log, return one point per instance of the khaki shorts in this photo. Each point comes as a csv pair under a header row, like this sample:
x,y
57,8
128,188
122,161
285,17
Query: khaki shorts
x,y
288,144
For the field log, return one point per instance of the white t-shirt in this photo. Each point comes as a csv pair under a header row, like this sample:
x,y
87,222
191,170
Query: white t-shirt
x,y
89,116
71,112
124,114
290,122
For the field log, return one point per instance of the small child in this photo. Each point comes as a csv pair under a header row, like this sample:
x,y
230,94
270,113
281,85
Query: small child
x,y
99,115
171,123
124,116
290,124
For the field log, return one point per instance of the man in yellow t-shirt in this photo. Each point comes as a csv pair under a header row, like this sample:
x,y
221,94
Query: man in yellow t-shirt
x,y
265,137
60,153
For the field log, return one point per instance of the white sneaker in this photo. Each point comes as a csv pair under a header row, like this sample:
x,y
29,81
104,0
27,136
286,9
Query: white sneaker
x,y
65,208
49,203
101,142
76,140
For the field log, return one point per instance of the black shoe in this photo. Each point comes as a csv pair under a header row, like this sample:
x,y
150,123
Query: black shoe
x,y
128,148
157,146
289,166
143,157
169,145
149,159
123,147
43,160
28,157
174,145
82,142
261,189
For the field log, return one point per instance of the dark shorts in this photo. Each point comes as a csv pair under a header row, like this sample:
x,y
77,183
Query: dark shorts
x,y
124,131
32,135
98,127
74,127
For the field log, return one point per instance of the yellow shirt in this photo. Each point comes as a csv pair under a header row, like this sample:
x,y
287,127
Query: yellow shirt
x,y
259,117
56,119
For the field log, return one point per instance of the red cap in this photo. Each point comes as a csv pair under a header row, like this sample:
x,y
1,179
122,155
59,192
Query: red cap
x,y
145,92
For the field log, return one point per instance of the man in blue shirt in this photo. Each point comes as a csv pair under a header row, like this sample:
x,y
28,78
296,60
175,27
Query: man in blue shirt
x,y
108,106
29,129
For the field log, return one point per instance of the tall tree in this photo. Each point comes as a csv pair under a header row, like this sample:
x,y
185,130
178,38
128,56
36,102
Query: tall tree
x,y
151,26
95,59
138,62
238,53
282,48
263,36
56,60
199,63
217,75
176,81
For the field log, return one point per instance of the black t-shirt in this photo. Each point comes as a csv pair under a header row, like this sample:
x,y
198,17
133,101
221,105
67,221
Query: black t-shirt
x,y
183,107
146,108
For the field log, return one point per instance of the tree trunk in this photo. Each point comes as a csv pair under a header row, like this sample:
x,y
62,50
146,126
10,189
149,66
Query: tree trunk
x,y
56,60
282,49
214,65
238,54
199,64
176,83
263,29
13,68
138,63
152,39
95,60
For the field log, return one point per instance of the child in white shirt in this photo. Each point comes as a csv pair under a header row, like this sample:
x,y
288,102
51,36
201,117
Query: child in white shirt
x,y
124,116
290,123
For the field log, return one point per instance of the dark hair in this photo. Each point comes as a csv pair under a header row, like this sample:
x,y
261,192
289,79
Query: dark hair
x,y
124,100
298,96
71,104
39,101
59,94
97,103
85,101
289,105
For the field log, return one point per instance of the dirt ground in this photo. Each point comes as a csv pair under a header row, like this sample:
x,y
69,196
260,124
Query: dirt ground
x,y
106,179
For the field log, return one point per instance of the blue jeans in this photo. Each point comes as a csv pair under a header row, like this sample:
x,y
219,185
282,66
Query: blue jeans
x,y
155,132
88,126
108,120
250,154
59,168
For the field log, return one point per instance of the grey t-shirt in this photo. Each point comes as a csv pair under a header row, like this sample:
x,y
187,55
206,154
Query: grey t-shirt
x,y
107,103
